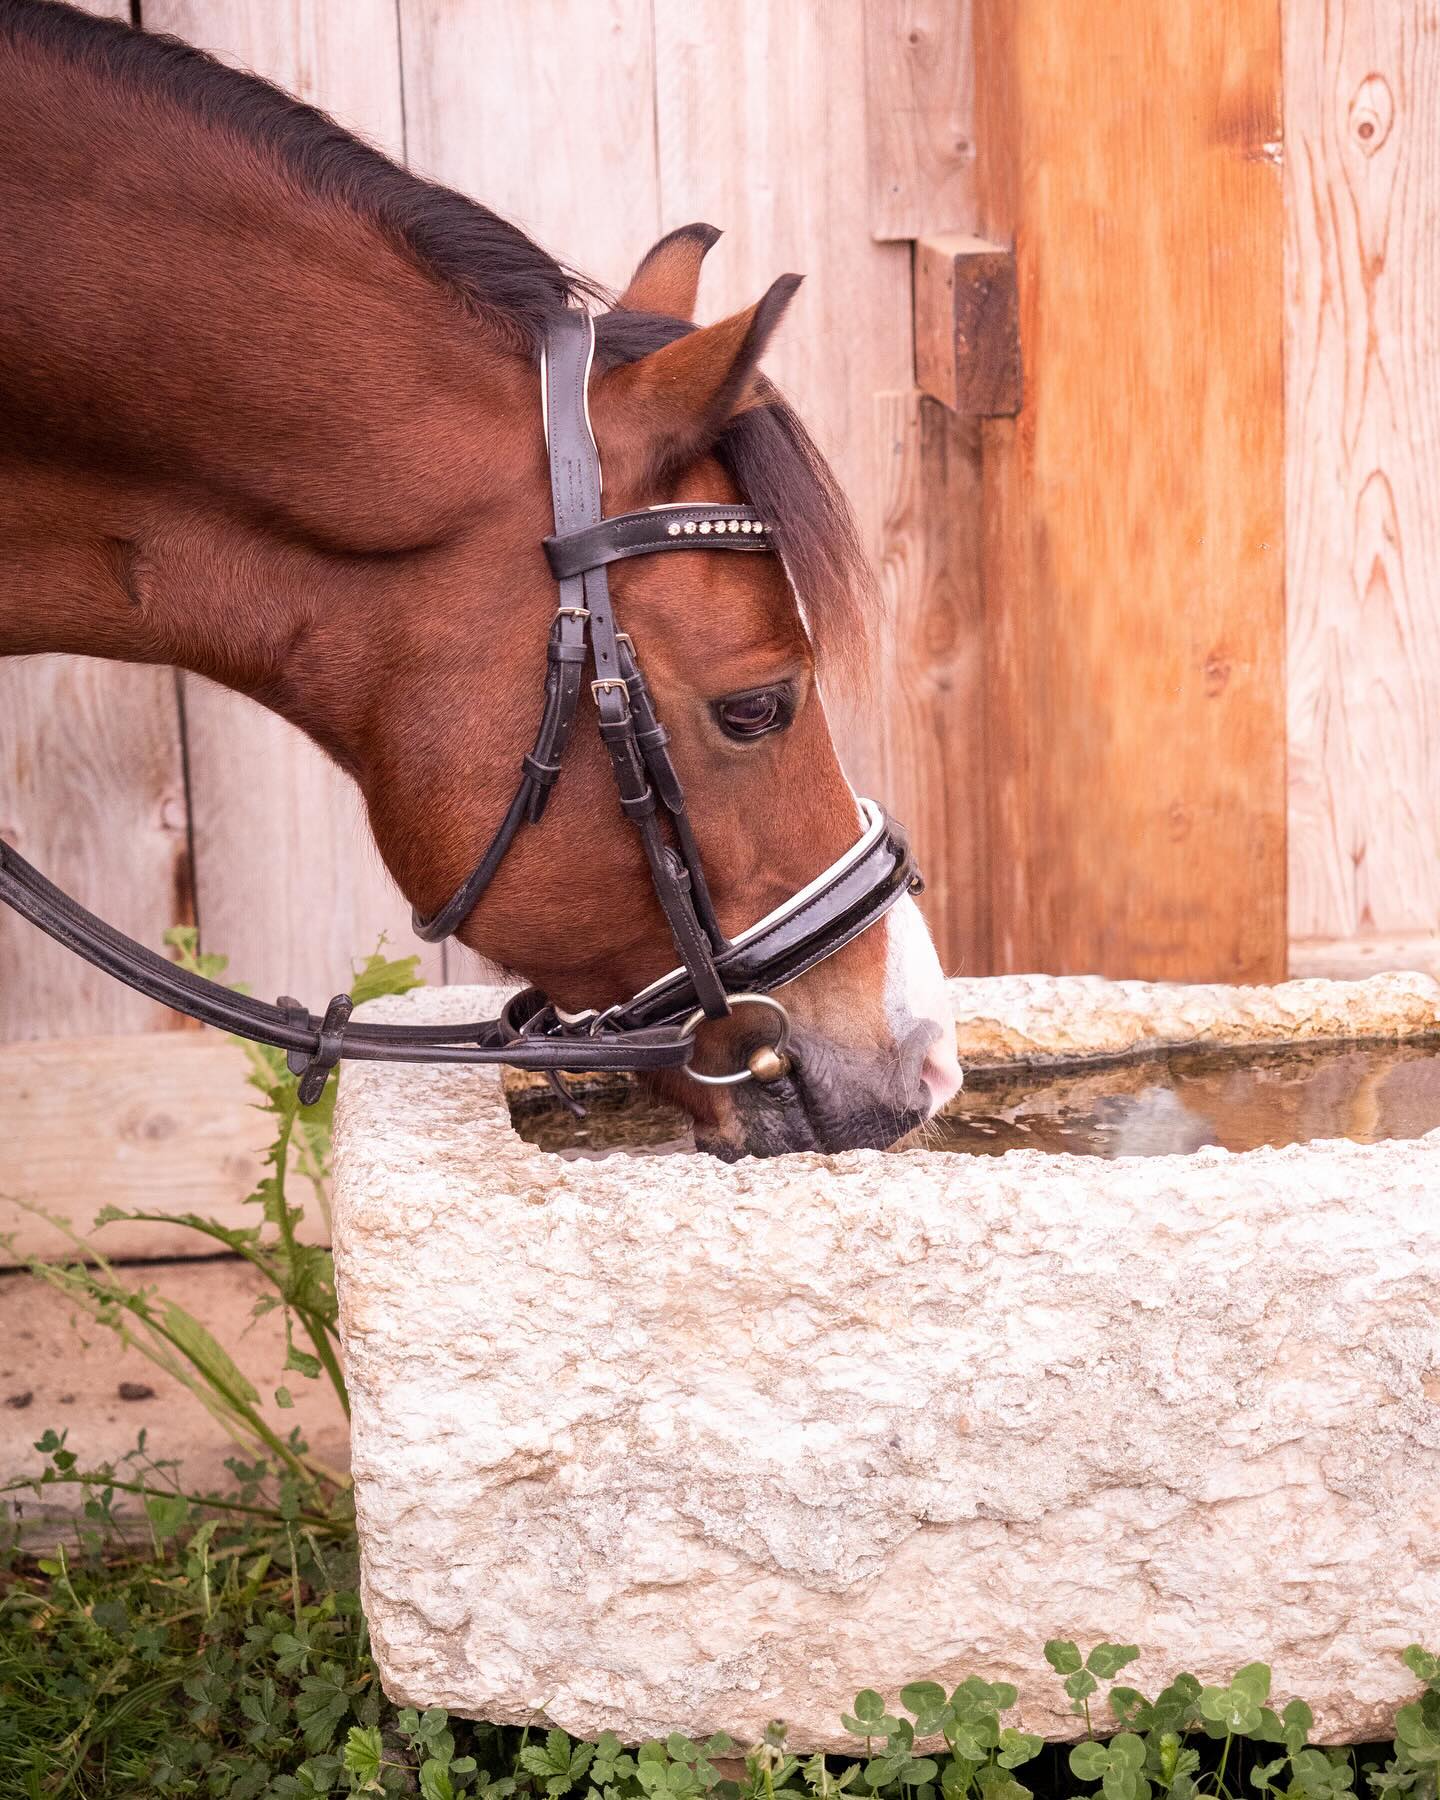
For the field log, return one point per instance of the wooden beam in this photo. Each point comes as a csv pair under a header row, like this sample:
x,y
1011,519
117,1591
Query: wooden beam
x,y
967,325
1355,958
163,1122
1134,509
919,116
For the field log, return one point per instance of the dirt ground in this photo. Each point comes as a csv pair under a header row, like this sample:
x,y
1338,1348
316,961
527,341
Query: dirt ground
x,y
76,1377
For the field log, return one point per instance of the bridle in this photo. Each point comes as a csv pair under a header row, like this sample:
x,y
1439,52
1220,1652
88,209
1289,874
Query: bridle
x,y
654,1029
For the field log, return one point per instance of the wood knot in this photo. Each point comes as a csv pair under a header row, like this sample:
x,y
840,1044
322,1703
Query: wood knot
x,y
1217,674
1372,113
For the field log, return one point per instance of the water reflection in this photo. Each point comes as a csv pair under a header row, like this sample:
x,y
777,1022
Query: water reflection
x,y
1162,1106
1172,1104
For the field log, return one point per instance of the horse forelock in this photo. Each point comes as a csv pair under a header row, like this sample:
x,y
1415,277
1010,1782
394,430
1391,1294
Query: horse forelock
x,y
781,472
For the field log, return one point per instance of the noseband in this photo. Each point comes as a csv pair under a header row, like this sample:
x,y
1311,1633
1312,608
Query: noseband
x,y
655,1029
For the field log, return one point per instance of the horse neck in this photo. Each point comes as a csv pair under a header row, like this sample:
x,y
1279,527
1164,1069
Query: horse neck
x,y
230,415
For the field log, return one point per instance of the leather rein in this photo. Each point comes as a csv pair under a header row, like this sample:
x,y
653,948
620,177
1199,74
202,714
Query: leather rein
x,y
655,1029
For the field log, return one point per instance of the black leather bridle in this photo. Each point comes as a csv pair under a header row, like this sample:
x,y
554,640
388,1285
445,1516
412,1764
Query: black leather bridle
x,y
655,1029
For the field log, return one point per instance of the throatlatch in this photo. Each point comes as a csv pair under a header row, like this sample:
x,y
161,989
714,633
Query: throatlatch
x,y
656,1028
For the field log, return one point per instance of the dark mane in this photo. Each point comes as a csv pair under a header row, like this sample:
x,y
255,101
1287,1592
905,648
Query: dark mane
x,y
493,269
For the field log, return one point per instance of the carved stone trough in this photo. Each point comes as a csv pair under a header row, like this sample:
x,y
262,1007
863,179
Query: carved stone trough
x,y
657,1444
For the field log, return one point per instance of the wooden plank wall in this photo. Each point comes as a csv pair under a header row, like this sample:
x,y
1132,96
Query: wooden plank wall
x,y
1362,133
754,117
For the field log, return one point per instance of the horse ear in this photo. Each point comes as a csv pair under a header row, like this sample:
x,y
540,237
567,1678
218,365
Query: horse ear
x,y
668,277
675,402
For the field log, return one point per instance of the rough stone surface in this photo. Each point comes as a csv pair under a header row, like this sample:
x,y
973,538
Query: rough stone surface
x,y
1065,1018
656,1444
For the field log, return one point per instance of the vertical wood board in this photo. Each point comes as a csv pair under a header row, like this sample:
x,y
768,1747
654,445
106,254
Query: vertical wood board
x,y
770,146
288,882
543,110
344,58
92,791
1134,559
919,115
1362,132
494,108
934,680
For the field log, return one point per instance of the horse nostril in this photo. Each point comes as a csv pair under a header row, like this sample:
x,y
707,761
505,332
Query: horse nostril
x,y
941,1071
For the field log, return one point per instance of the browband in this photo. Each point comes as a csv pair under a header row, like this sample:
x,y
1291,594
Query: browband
x,y
653,529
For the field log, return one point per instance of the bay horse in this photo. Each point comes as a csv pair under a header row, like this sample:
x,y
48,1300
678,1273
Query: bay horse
x,y
269,412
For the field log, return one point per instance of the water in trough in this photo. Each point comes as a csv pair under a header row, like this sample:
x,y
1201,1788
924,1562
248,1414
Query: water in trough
x,y
1162,1105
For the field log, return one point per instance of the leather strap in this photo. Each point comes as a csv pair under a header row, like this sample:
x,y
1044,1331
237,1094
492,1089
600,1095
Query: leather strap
x,y
300,1033
846,902
702,526
576,488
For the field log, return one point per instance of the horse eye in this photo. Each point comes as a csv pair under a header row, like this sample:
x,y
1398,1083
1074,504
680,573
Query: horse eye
x,y
752,715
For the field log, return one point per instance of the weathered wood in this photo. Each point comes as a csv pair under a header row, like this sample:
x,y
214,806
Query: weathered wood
x,y
92,790
1362,135
1134,510
493,106
919,116
967,325
110,829
730,151
164,1121
288,882
345,59
934,682
491,109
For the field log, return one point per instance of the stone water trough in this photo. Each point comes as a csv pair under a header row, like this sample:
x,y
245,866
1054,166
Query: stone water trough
x,y
654,1443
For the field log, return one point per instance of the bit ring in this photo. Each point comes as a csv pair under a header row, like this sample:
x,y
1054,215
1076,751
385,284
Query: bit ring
x,y
778,1049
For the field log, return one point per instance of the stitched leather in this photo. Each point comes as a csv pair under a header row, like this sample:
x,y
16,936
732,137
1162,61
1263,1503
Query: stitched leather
x,y
651,530
828,921
575,475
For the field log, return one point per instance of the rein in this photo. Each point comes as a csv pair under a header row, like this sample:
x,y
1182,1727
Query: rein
x,y
655,1029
